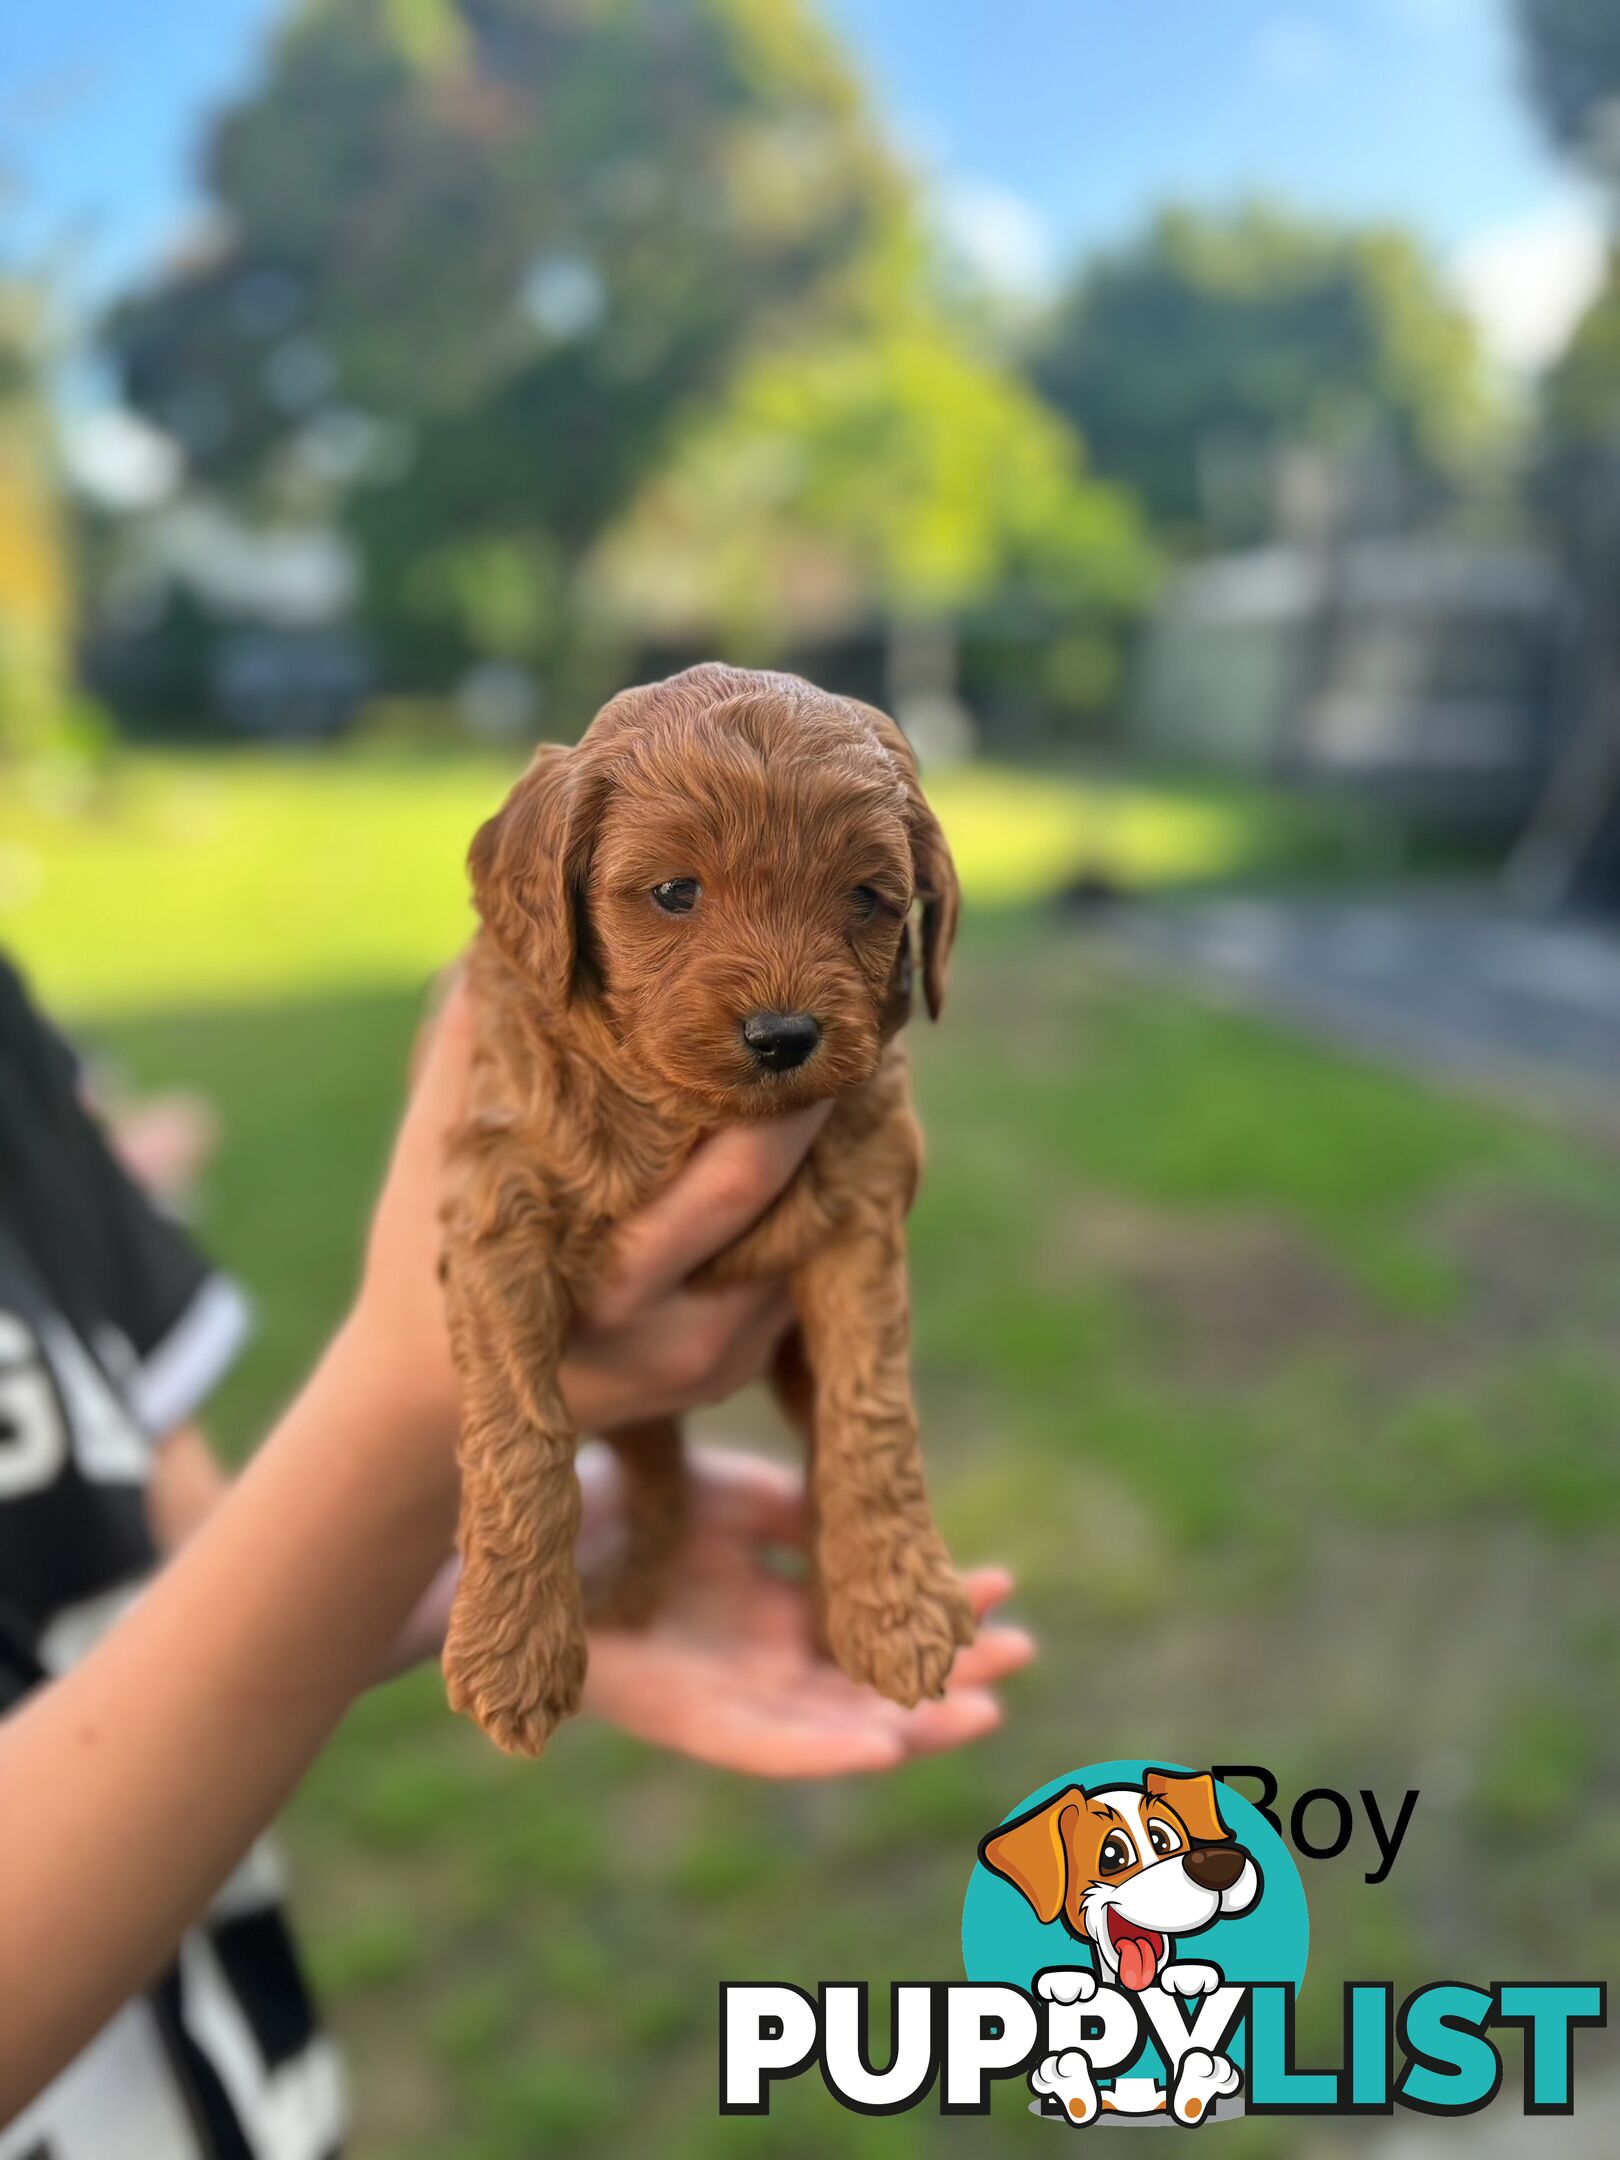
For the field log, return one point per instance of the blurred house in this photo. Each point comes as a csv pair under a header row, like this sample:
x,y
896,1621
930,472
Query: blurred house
x,y
1434,678
208,625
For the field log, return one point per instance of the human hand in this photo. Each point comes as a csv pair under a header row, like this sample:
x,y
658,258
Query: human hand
x,y
164,1141
648,1346
728,1672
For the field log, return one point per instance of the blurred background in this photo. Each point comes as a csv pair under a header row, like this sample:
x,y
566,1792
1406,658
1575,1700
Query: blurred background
x,y
1200,422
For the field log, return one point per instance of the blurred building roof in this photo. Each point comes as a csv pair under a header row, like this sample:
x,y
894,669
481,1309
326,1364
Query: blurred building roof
x,y
298,578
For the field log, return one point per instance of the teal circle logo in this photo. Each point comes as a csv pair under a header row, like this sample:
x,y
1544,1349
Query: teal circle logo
x,y
1144,1874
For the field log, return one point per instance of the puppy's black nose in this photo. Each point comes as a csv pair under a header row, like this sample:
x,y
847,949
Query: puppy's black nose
x,y
1215,1867
780,1041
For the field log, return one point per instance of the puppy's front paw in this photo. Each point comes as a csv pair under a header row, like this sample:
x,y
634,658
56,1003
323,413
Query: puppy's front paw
x,y
1066,1984
900,1625
519,1697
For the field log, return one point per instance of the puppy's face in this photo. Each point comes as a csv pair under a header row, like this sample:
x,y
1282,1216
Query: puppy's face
x,y
1129,1869
747,920
726,868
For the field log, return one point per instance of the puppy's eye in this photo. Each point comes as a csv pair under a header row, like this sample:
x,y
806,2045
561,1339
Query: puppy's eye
x,y
1160,1838
864,901
1116,1853
677,895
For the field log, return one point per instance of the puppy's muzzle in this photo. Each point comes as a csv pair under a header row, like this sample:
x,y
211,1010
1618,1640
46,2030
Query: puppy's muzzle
x,y
780,1041
1215,1867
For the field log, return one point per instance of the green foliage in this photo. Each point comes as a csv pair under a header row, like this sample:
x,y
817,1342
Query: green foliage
x,y
1573,53
875,469
1581,404
1233,337
36,711
478,257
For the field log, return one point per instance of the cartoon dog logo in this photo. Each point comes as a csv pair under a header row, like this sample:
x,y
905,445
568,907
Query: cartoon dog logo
x,y
1129,1870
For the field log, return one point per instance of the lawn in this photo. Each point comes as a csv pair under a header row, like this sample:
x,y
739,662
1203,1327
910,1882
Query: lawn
x,y
227,879
1289,1387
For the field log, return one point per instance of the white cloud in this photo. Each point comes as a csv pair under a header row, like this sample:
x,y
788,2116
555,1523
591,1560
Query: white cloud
x,y
1527,283
999,236
1294,51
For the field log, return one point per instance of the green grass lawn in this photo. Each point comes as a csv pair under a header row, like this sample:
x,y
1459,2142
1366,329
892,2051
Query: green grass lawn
x,y
229,878
1289,1387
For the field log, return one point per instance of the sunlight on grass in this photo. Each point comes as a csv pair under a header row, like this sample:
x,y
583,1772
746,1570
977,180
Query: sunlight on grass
x,y
1021,836
228,880
225,879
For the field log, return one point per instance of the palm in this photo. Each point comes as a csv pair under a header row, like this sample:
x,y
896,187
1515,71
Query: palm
x,y
728,1672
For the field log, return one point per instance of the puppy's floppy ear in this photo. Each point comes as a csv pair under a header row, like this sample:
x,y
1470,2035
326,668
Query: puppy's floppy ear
x,y
897,1011
1193,1799
932,868
941,898
530,863
1032,1852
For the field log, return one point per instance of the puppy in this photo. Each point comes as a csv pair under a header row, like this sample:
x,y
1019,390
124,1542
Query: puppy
x,y
1127,1871
701,914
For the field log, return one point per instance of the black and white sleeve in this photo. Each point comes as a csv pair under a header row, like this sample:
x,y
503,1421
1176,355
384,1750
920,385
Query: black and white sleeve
x,y
123,1270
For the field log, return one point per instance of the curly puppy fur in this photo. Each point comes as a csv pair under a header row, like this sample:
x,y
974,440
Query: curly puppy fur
x,y
609,1042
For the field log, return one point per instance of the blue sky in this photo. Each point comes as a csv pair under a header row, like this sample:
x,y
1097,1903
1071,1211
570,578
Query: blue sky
x,y
1045,126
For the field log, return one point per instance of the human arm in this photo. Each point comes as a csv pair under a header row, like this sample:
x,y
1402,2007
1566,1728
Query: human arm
x,y
130,1787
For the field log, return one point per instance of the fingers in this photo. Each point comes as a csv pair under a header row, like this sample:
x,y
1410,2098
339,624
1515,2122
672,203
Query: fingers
x,y
439,1077
757,1338
403,1246
697,1347
728,1184
684,1700
963,1715
998,1653
769,1743
987,1586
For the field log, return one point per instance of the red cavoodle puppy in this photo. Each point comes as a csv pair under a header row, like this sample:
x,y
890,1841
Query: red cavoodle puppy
x,y
701,914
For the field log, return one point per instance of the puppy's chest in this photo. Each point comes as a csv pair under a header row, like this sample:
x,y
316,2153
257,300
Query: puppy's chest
x,y
607,1156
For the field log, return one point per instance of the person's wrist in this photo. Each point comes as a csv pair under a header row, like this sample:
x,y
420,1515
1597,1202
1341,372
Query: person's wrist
x,y
411,1403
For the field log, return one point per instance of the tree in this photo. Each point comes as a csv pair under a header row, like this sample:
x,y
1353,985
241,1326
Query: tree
x,y
1572,56
1572,49
474,258
881,474
1572,844
1581,397
1214,344
35,575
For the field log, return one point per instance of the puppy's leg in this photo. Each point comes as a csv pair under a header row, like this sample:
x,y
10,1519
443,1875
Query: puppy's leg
x,y
656,1505
896,1613
514,1655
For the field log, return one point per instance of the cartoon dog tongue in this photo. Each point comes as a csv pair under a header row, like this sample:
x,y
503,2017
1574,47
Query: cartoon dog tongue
x,y
1139,1952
